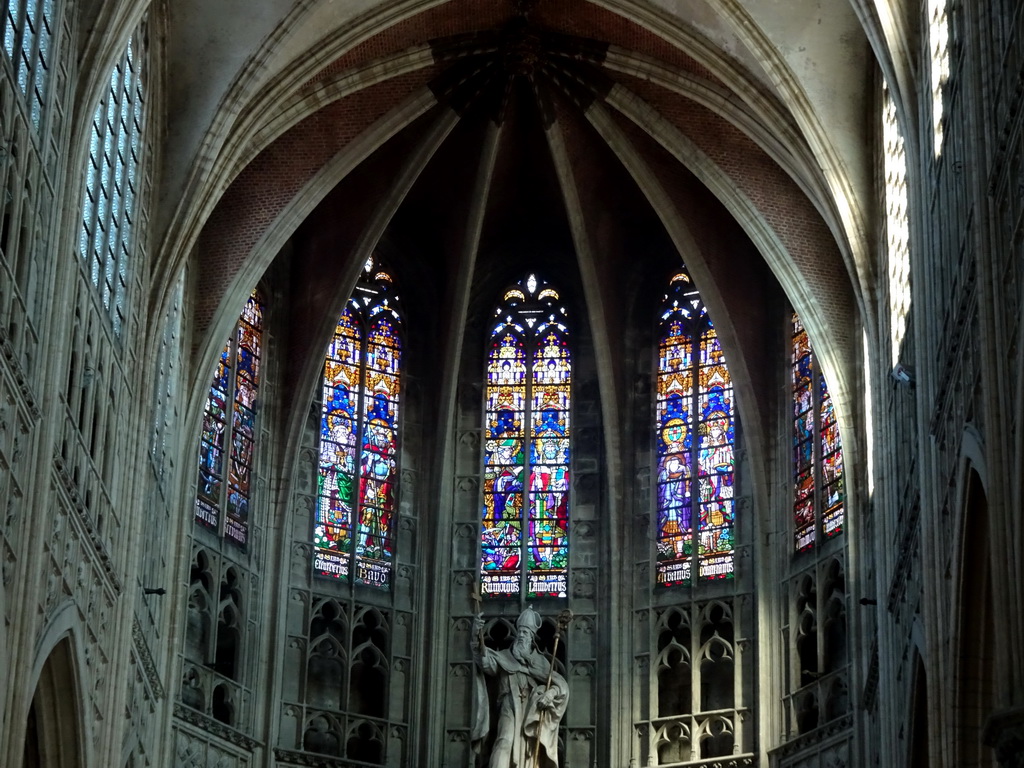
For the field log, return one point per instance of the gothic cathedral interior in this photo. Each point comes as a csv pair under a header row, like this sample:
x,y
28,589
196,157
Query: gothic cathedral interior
x,y
511,383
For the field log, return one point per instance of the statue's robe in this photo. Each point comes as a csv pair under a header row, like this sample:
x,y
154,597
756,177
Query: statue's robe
x,y
521,685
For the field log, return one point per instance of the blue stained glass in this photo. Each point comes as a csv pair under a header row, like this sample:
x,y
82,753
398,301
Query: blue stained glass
x,y
225,499
353,532
524,533
695,431
817,453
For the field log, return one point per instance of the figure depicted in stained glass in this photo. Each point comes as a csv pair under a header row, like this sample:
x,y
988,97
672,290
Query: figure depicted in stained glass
x,y
817,448
353,530
222,503
508,484
803,438
673,476
549,483
695,436
531,316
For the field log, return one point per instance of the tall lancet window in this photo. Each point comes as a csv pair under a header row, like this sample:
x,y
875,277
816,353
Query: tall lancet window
x,y
524,538
817,448
695,432
897,225
28,42
109,214
354,530
229,429
938,45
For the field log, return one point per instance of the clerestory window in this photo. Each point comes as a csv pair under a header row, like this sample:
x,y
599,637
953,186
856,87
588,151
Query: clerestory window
x,y
227,444
112,182
359,435
817,448
28,42
695,434
525,527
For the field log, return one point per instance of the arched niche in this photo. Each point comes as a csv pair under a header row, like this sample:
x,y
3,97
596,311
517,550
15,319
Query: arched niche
x,y
53,734
919,739
976,653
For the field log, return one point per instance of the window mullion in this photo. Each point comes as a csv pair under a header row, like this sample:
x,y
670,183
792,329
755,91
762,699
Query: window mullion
x,y
229,426
527,485
357,490
692,428
818,458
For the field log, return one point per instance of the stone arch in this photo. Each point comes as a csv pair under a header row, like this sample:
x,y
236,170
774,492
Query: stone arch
x,y
975,684
789,246
56,731
265,240
254,252
918,718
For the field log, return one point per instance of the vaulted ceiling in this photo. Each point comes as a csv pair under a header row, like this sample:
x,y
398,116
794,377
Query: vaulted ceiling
x,y
605,139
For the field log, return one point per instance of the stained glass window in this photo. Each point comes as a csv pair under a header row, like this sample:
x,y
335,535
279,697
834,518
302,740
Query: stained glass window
x,y
229,429
817,448
111,183
28,42
354,527
525,531
695,433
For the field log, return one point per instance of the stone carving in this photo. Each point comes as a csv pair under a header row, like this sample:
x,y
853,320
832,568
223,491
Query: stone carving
x,y
531,697
584,583
1004,732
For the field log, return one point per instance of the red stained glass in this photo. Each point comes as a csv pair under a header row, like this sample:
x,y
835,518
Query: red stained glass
x,y
817,452
695,427
229,443
525,515
353,530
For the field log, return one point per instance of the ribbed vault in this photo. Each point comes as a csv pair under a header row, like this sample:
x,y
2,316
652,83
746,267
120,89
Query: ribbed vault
x,y
474,137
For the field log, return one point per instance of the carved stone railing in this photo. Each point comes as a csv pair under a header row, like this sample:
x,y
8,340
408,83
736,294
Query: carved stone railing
x,y
831,695
198,684
291,757
215,727
807,748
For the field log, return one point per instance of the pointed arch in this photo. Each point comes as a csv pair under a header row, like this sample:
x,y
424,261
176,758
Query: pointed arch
x,y
919,737
56,708
976,655
524,533
695,435
353,529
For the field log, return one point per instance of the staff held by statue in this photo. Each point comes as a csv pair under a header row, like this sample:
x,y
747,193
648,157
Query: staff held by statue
x,y
531,695
561,625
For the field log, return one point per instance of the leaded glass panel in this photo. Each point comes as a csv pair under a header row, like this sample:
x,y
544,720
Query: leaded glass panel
x,y
817,448
107,223
353,532
228,437
695,434
524,532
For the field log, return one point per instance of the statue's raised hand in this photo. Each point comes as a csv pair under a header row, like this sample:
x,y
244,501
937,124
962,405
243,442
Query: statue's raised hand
x,y
478,624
